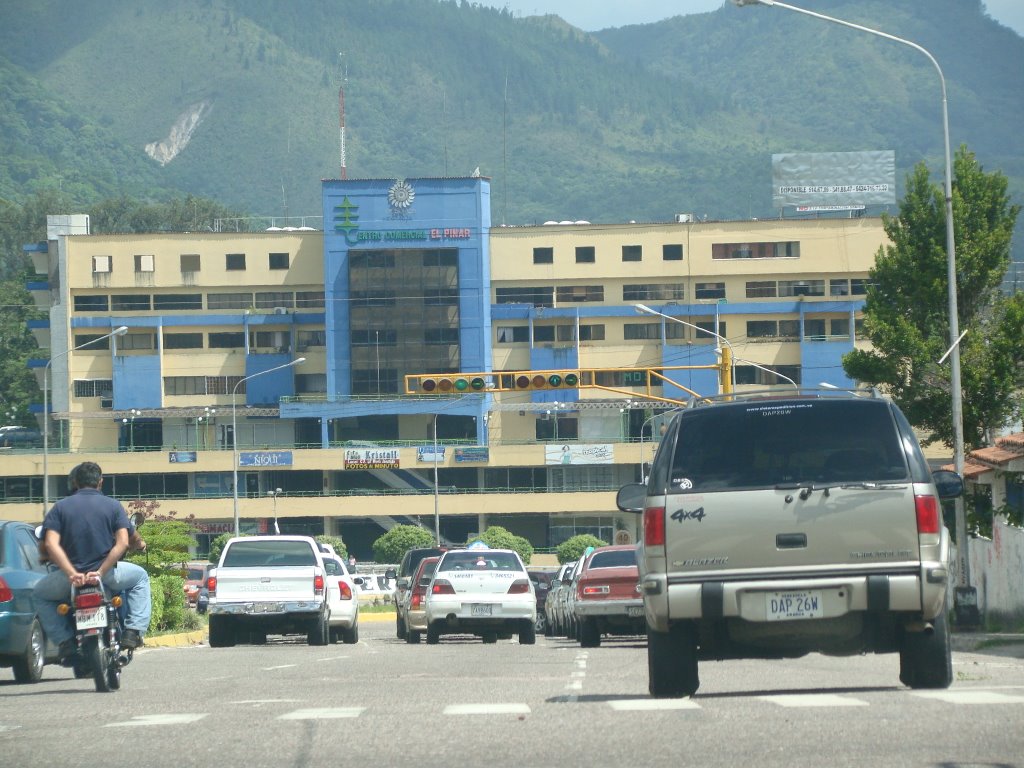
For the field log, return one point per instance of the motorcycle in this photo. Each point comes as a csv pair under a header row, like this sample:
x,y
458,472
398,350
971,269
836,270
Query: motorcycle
x,y
97,622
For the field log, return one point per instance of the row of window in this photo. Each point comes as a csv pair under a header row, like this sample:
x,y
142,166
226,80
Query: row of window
x,y
586,254
177,302
187,262
143,340
816,328
551,296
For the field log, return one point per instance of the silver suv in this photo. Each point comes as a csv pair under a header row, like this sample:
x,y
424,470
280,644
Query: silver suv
x,y
776,527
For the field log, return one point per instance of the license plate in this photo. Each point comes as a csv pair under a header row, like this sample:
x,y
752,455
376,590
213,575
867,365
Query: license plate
x,y
266,608
91,618
795,604
480,609
635,611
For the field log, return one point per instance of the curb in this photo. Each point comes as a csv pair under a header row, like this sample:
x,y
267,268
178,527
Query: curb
x,y
201,636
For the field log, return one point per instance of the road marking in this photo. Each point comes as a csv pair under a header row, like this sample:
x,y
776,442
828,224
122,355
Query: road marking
x,y
970,697
487,709
323,713
646,705
814,700
575,685
282,666
182,719
333,658
5,728
264,701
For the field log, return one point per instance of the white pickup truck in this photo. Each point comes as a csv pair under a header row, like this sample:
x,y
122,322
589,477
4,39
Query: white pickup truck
x,y
268,585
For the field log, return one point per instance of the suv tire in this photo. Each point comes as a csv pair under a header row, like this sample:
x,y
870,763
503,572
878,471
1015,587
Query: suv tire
x,y
527,633
412,637
400,629
925,659
318,633
222,633
590,633
672,662
433,634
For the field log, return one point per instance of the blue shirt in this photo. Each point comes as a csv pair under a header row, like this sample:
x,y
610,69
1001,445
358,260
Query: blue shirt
x,y
87,522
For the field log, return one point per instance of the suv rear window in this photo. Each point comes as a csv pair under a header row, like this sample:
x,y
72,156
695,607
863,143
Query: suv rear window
x,y
766,443
255,554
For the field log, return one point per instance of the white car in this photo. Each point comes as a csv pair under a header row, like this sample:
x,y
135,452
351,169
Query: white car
x,y
484,592
343,602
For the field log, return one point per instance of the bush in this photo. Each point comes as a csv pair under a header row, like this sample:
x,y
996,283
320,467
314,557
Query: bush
x,y
497,537
336,542
572,549
171,591
392,546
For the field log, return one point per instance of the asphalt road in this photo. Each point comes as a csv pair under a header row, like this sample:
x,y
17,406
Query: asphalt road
x,y
463,704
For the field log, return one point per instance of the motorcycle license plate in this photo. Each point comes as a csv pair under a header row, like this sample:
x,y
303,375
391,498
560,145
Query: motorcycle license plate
x,y
91,618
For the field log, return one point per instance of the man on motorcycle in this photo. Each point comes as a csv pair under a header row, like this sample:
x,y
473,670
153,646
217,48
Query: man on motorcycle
x,y
86,534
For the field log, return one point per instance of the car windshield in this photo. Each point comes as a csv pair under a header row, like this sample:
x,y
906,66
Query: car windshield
x,y
254,554
480,561
763,444
616,558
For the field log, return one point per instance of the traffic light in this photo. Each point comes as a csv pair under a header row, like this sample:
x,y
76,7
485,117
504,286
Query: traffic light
x,y
453,384
529,380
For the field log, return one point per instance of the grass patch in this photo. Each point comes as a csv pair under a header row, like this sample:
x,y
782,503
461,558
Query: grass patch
x,y
376,607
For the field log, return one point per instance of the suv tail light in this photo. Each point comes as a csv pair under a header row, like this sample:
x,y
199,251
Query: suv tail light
x,y
602,589
6,593
416,600
654,526
442,587
88,599
318,584
928,518
519,587
211,586
346,590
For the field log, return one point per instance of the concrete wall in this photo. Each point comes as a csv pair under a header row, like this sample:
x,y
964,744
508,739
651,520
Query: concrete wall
x,y
997,571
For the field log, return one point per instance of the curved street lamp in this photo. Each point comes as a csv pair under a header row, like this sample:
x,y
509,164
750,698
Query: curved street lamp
x,y
954,319
121,331
727,386
234,432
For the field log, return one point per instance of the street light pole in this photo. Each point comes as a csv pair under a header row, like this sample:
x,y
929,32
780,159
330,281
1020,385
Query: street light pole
x,y
274,494
727,385
437,500
234,433
121,331
954,320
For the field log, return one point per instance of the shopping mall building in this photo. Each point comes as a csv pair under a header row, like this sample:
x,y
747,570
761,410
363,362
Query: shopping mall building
x,y
316,365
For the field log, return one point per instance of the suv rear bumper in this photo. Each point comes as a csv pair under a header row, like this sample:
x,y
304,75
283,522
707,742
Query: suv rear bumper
x,y
270,608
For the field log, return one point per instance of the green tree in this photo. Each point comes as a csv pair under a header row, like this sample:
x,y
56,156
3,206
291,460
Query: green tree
x,y
906,315
336,542
392,546
573,549
497,537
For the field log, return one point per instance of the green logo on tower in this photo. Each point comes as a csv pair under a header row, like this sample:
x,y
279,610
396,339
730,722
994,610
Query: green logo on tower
x,y
346,220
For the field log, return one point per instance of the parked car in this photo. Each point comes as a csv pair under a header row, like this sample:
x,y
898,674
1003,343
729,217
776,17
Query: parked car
x,y
607,595
20,437
415,608
483,592
568,600
554,601
195,578
403,578
542,578
780,526
342,600
23,645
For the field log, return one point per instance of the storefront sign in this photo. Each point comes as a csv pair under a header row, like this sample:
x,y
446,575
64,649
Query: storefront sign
x,y
478,453
371,458
430,454
265,459
181,457
578,454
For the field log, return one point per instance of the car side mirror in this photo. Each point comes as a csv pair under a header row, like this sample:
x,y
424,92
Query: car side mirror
x,y
631,498
138,519
390,574
357,580
39,532
949,484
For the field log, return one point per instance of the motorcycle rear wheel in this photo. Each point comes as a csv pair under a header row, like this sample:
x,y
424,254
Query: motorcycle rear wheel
x,y
99,659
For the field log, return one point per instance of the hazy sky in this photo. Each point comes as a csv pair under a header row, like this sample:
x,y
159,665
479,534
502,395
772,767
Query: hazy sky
x,y
600,14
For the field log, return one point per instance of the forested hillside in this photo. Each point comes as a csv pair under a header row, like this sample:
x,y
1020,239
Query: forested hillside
x,y
634,123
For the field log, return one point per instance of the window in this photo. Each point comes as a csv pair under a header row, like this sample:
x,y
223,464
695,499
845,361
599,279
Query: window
x,y
654,292
543,255
585,254
94,387
567,333
373,298
441,336
748,374
279,341
572,294
543,333
183,341
190,262
839,287
710,327
225,340
177,301
279,261
137,341
859,286
677,331
513,334
372,381
762,329
839,327
234,262
632,253
310,383
441,297
441,257
371,259
789,329
309,299
203,385
759,289
145,262
131,303
755,250
637,331
91,304
671,252
229,301
538,297
91,342
814,328
385,337
801,287
272,299
100,264
307,339
709,291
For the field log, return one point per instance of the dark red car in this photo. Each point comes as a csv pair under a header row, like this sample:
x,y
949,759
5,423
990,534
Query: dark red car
x,y
608,598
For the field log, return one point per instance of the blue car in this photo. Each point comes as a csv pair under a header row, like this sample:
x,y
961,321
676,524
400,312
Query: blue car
x,y
23,645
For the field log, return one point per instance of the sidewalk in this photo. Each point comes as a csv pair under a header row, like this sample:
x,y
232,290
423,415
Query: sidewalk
x,y
994,643
200,635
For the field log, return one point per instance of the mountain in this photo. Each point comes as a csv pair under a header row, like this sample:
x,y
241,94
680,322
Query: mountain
x,y
238,100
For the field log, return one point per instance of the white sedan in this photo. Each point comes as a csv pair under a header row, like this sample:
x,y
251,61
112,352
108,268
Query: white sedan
x,y
342,601
484,592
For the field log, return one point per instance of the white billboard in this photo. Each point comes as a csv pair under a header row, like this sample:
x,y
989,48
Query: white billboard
x,y
834,180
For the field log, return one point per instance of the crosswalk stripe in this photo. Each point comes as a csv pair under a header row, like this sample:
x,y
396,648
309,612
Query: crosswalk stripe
x,y
323,713
180,719
648,705
970,697
814,700
487,709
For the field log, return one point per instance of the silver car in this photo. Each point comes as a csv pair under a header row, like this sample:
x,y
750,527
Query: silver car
x,y
774,527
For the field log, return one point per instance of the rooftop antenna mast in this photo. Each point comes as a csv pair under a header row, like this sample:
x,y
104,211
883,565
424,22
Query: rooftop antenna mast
x,y
341,115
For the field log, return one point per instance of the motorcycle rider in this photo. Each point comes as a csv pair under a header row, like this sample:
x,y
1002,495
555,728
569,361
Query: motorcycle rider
x,y
86,534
